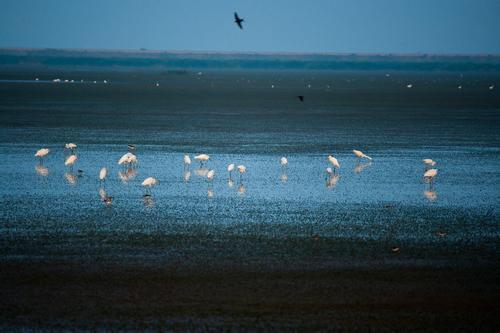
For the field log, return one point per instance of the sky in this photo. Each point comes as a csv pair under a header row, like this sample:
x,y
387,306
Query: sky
x,y
312,26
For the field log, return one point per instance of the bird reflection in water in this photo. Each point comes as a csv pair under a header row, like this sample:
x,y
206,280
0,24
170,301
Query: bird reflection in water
x,y
186,175
230,183
202,172
430,194
148,201
106,199
41,170
241,189
70,178
283,176
127,175
332,181
361,166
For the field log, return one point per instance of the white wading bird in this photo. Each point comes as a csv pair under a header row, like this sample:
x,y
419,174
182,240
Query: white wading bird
x,y
242,169
187,161
210,175
102,174
428,162
128,159
230,169
430,174
41,153
70,146
284,162
148,183
202,158
70,161
360,154
334,162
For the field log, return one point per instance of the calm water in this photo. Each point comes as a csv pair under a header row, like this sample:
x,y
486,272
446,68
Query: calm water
x,y
251,119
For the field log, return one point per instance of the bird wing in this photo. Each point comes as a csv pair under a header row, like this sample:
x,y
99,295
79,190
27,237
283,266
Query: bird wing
x,y
236,17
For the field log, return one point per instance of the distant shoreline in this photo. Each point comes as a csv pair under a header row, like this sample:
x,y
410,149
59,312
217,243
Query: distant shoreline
x,y
215,52
16,58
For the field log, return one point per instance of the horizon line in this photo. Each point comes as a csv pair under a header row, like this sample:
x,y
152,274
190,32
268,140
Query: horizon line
x,y
263,53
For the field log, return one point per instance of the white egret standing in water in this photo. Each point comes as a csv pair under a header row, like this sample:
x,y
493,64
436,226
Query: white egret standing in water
x,y
202,158
70,146
41,153
334,162
148,183
187,161
70,161
284,162
242,169
230,169
210,175
428,162
102,174
429,175
359,154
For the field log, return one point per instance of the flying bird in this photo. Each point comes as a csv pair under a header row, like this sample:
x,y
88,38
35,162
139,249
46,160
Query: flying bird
x,y
238,20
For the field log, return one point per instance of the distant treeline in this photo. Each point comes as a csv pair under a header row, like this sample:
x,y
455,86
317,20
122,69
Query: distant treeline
x,y
52,58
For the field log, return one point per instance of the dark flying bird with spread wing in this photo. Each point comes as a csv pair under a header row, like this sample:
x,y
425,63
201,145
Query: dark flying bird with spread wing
x,y
238,20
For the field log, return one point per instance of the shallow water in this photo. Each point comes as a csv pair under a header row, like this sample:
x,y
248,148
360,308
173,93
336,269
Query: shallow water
x,y
253,124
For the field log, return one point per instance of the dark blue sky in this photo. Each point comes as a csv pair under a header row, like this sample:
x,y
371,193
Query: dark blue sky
x,y
361,26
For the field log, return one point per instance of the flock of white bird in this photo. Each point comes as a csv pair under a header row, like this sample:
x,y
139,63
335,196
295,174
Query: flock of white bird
x,y
130,161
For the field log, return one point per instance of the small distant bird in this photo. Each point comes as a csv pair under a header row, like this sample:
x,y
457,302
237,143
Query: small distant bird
x,y
230,169
360,154
41,153
409,86
202,158
211,175
459,87
148,183
102,174
428,162
284,162
238,20
395,249
334,162
440,233
70,161
491,87
242,169
301,98
187,160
